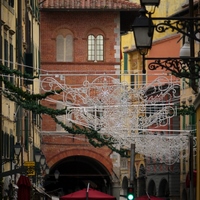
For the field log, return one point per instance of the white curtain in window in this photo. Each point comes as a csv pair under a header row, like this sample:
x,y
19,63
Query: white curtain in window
x,y
60,48
69,48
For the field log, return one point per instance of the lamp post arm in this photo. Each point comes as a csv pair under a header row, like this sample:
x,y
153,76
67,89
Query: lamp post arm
x,y
180,25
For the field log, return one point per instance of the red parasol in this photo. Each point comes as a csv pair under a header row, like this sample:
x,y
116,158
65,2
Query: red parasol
x,y
24,188
91,195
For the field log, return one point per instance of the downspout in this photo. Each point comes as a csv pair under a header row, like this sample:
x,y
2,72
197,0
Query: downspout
x,y
192,54
19,60
1,142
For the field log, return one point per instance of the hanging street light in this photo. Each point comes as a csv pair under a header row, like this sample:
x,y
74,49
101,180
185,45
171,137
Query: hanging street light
x,y
17,149
143,27
37,156
149,2
143,30
42,160
56,174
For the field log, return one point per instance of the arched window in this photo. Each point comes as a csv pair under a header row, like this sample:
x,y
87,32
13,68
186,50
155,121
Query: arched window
x,y
95,48
64,48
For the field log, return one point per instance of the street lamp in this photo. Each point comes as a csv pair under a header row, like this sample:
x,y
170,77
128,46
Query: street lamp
x,y
143,30
42,160
37,156
17,149
56,174
185,50
149,2
185,67
47,170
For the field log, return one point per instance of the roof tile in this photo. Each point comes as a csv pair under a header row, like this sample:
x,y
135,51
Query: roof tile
x,y
89,4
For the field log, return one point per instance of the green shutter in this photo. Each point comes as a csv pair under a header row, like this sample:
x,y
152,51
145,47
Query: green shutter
x,y
125,63
12,146
26,122
183,125
11,62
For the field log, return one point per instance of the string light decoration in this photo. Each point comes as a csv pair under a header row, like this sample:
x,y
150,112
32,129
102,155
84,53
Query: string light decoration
x,y
111,113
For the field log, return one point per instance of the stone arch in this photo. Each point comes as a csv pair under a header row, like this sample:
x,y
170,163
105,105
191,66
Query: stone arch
x,y
106,162
125,183
184,194
151,189
142,180
124,186
163,189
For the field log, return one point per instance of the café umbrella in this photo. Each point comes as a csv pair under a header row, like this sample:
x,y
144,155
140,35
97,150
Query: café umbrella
x,y
24,190
87,194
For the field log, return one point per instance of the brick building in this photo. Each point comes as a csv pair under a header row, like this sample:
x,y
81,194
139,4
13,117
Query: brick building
x,y
80,40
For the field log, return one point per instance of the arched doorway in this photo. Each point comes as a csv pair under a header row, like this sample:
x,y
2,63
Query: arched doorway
x,y
142,181
184,195
76,172
152,188
163,190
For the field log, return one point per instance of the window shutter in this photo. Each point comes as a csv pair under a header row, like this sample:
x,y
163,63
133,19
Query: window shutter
x,y
26,123
12,140
29,67
11,62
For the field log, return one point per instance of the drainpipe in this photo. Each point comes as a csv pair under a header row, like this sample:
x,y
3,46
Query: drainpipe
x,y
192,55
1,142
19,60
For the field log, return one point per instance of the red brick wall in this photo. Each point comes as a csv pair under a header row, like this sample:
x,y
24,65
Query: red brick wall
x,y
80,24
58,147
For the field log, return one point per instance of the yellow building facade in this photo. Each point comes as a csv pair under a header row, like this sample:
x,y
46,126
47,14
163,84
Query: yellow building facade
x,y
19,51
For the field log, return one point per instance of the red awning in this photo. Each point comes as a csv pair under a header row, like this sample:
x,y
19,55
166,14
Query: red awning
x,y
92,195
187,182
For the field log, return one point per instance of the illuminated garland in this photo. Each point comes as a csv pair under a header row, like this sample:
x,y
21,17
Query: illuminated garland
x,y
30,102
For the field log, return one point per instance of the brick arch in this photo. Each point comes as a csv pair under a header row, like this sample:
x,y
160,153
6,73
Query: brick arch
x,y
106,162
63,30
95,32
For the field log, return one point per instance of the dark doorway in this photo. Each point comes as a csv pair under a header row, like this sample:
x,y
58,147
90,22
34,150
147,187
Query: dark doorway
x,y
77,172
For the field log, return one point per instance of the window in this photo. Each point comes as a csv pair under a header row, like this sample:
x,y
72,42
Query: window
x,y
11,3
95,48
64,48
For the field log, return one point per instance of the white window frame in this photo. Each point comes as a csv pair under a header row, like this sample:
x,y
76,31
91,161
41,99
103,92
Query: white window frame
x,y
95,48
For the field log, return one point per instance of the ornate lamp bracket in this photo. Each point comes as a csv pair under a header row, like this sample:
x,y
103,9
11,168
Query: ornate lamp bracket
x,y
180,67
179,25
